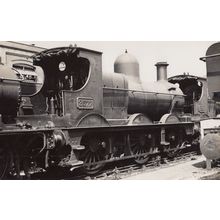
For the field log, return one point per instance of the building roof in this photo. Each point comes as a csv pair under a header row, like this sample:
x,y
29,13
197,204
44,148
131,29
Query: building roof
x,y
21,46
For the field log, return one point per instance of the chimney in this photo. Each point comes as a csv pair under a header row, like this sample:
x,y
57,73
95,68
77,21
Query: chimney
x,y
161,70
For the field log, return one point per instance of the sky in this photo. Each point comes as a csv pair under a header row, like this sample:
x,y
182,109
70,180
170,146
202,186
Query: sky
x,y
182,56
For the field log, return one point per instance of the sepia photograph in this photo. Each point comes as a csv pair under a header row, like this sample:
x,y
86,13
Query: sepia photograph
x,y
109,110
143,110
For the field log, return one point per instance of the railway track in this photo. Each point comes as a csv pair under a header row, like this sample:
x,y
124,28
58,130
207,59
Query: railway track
x,y
115,171
120,172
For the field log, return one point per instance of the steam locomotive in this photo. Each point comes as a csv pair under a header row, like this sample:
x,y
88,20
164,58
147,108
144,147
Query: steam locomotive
x,y
61,110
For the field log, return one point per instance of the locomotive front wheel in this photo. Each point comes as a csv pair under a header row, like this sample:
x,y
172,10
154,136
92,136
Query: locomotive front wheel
x,y
140,145
4,163
94,154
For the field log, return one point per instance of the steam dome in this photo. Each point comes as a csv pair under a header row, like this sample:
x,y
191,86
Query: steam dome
x,y
127,64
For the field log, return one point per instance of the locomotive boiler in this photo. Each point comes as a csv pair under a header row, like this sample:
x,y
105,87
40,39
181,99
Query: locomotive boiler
x,y
74,115
142,97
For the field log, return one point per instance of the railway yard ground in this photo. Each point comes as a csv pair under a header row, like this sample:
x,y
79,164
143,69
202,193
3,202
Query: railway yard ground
x,y
193,168
190,166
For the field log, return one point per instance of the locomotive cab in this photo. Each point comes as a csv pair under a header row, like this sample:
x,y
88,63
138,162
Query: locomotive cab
x,y
196,95
63,69
72,80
